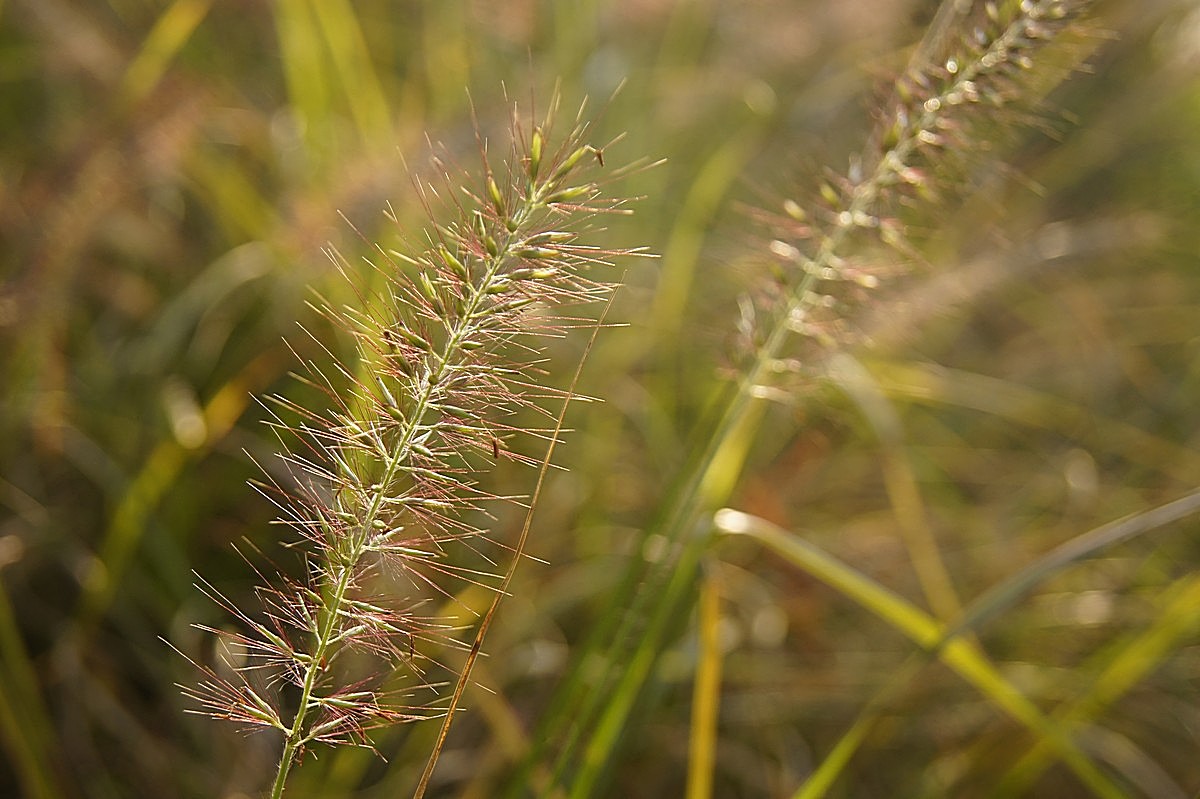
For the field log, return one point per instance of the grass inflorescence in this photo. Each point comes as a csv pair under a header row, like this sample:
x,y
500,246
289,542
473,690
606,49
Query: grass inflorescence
x,y
384,479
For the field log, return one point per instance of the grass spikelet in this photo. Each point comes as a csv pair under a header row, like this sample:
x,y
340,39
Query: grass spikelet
x,y
943,114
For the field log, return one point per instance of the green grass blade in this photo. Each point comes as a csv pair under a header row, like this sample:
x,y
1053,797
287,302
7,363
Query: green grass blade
x,y
835,762
1083,546
658,610
351,59
26,728
302,54
900,483
160,471
961,656
681,254
583,704
1123,671
706,693
618,705
937,385
1176,621
166,39
889,606
229,194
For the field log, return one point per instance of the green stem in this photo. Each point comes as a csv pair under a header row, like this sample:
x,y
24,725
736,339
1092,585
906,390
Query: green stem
x,y
296,735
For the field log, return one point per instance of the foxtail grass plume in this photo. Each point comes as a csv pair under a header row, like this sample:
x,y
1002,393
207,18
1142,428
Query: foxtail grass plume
x,y
383,482
981,75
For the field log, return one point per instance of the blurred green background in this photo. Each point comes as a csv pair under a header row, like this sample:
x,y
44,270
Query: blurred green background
x,y
169,174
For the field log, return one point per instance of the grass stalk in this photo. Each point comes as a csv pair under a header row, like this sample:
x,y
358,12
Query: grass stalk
x,y
706,693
